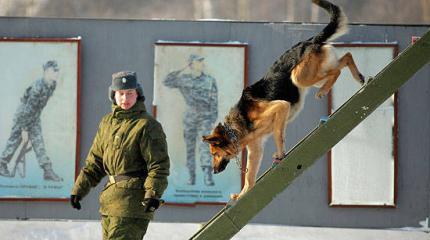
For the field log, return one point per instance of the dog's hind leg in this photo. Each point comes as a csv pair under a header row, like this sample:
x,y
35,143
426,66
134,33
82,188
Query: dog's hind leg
x,y
331,75
347,60
331,78
305,73
255,151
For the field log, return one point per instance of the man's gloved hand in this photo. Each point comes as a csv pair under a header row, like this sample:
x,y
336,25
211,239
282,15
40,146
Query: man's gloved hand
x,y
151,204
74,201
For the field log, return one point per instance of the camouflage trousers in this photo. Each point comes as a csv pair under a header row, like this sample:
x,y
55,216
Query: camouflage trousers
x,y
35,137
124,228
195,126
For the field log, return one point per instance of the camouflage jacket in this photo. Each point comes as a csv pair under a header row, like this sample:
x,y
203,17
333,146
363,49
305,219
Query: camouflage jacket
x,y
34,100
126,141
200,93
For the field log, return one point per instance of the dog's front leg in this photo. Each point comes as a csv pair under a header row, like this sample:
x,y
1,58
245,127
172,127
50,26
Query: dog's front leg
x,y
255,154
281,112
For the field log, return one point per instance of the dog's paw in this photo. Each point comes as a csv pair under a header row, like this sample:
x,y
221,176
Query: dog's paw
x,y
362,79
279,156
321,93
234,196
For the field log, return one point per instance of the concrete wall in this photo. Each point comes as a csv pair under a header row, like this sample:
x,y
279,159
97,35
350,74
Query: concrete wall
x,y
109,46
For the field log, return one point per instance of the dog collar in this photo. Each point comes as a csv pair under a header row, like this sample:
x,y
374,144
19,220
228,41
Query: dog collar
x,y
232,136
235,140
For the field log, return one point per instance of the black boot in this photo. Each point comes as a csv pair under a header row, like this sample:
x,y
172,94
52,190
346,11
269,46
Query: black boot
x,y
192,178
208,176
49,174
3,170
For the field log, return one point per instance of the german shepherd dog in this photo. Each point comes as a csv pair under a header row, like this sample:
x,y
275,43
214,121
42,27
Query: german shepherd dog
x,y
268,105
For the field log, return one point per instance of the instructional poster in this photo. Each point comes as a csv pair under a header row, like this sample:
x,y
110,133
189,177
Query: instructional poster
x,y
38,123
195,87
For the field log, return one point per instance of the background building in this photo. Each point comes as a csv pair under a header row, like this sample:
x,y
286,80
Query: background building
x,y
304,203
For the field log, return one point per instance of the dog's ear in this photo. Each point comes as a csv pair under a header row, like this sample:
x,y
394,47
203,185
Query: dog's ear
x,y
219,129
215,140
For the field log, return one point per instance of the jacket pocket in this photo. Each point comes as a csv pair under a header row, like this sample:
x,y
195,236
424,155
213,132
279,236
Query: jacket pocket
x,y
117,139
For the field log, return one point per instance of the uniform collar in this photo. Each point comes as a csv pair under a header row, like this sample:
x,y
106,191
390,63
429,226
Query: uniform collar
x,y
138,107
50,84
202,74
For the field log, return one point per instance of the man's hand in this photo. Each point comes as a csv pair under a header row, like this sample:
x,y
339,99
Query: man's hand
x,y
24,136
74,201
151,204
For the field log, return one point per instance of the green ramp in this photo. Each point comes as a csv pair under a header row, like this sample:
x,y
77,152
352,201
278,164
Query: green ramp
x,y
231,219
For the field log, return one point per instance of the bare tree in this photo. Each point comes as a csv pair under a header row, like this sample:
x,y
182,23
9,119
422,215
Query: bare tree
x,y
364,11
203,9
291,10
314,13
243,9
425,6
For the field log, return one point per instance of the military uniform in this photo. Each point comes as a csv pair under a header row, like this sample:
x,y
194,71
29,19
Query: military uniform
x,y
201,97
27,118
127,142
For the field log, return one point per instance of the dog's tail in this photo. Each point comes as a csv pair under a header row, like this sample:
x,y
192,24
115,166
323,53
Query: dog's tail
x,y
337,26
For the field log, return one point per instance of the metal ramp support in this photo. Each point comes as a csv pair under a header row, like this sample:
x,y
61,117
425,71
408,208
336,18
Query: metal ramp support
x,y
226,223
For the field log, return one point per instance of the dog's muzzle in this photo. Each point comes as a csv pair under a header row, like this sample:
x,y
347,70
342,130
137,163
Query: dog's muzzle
x,y
221,166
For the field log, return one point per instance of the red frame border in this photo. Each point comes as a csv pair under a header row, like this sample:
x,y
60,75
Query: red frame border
x,y
395,48
245,84
76,40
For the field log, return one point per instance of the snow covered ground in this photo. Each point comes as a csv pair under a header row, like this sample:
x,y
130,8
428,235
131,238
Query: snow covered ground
x,y
88,230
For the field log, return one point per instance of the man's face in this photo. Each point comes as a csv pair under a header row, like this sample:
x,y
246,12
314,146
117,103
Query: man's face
x,y
126,99
198,65
51,74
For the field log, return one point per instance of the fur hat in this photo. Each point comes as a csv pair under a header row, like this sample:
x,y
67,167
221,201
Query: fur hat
x,y
124,80
195,57
50,64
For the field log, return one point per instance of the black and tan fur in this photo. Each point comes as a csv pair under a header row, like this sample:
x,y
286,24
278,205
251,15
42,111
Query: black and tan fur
x,y
268,105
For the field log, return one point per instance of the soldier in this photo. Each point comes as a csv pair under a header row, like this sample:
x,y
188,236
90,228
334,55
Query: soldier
x,y
201,96
130,147
27,122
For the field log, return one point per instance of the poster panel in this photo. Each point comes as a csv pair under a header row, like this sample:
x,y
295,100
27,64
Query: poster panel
x,y
195,85
39,117
362,167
